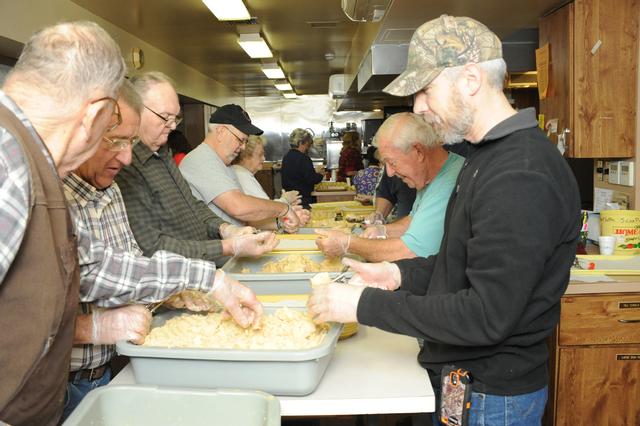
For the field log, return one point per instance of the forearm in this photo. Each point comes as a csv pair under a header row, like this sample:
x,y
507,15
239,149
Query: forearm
x,y
83,330
397,228
383,206
380,250
250,209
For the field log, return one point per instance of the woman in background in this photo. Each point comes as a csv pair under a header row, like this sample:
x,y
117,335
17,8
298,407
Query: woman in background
x,y
366,180
298,173
350,157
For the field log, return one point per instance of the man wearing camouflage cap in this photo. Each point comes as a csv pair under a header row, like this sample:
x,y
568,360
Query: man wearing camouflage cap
x,y
489,299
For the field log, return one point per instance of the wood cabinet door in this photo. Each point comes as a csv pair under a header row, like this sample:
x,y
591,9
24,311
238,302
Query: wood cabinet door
x,y
605,78
599,386
557,30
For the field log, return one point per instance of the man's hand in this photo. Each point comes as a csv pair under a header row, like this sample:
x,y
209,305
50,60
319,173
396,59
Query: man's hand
x,y
333,243
334,302
238,301
291,197
291,221
192,300
382,275
376,232
130,322
304,215
228,230
254,244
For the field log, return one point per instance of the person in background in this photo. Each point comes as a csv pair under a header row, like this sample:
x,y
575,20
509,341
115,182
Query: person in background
x,y
366,180
298,173
411,150
207,170
179,145
350,160
162,212
246,165
54,107
489,299
393,195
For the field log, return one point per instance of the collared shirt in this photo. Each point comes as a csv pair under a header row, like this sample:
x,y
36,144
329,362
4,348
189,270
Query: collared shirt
x,y
163,213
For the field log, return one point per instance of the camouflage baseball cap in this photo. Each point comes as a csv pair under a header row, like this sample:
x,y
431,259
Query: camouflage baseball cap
x,y
447,41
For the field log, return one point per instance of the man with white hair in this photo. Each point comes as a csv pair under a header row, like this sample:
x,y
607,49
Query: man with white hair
x,y
411,150
491,296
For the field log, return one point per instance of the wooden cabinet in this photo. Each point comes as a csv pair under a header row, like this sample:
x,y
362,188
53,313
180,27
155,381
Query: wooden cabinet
x,y
593,76
595,362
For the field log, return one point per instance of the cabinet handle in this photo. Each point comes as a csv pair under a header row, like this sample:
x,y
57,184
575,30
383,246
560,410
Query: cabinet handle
x,y
629,321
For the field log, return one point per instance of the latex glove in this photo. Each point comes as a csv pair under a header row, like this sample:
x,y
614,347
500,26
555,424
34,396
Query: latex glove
x,y
333,243
129,322
375,218
229,231
291,221
304,215
192,300
255,244
383,275
378,232
334,302
238,301
293,198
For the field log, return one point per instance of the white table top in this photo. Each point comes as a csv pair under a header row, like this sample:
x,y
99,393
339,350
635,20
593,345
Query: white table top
x,y
373,372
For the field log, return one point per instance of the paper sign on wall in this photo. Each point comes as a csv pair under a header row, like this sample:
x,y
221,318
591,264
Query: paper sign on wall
x,y
542,67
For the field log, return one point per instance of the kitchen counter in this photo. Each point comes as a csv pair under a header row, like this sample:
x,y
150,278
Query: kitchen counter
x,y
621,284
327,196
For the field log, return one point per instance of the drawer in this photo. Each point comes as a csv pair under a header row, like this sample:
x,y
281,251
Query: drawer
x,y
600,320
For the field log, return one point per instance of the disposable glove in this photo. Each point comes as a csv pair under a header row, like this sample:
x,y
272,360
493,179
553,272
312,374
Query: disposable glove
x,y
304,215
375,218
333,243
290,220
130,322
377,232
229,231
238,301
382,275
334,302
192,300
254,244
291,197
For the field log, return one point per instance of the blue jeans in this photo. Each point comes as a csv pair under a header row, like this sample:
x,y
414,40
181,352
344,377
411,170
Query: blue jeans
x,y
79,388
497,410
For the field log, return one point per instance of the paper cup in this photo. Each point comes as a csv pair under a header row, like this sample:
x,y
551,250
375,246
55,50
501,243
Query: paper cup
x,y
607,244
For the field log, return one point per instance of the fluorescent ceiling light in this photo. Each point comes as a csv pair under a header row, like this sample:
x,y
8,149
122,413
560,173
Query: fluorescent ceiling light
x,y
228,10
284,86
272,71
290,95
254,45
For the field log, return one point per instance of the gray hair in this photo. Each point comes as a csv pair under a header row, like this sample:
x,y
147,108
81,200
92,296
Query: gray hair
x,y
144,82
129,96
405,129
495,70
63,66
299,136
253,142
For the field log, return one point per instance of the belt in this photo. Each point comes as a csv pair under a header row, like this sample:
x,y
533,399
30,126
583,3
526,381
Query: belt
x,y
89,374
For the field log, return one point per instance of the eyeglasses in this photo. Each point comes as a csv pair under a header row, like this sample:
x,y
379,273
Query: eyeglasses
x,y
239,139
116,118
167,118
120,144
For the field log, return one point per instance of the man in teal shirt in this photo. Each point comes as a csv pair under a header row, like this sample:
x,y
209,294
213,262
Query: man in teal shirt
x,y
410,150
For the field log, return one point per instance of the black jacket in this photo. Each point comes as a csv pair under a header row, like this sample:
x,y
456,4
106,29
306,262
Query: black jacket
x,y
298,174
490,297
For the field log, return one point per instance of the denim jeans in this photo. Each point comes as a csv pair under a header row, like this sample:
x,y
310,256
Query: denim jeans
x,y
79,388
497,410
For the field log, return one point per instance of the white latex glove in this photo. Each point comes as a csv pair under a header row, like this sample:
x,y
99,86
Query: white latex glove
x,y
192,300
304,215
129,322
254,244
382,275
238,301
228,230
334,302
291,221
375,218
291,197
333,243
376,232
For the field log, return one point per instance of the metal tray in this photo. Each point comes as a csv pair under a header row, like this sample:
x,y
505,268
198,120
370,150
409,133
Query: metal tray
x,y
274,283
278,372
153,405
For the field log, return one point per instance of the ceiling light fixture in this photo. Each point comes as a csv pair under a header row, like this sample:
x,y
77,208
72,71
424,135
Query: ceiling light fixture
x,y
254,45
273,71
289,95
228,10
283,86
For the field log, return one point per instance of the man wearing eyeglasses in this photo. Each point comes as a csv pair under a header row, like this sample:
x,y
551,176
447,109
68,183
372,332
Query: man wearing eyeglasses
x,y
207,170
162,212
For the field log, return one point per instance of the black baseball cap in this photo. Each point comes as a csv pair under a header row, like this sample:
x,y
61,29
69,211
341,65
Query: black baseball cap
x,y
234,114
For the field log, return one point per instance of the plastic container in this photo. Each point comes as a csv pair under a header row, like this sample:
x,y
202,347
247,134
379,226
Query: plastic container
x,y
278,372
624,223
152,405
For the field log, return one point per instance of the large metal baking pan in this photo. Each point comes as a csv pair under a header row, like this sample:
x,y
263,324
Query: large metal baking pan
x,y
160,406
278,372
273,283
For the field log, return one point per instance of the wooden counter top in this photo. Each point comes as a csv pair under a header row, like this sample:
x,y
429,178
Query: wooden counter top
x,y
622,284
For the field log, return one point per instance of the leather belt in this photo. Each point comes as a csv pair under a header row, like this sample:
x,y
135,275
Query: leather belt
x,y
89,374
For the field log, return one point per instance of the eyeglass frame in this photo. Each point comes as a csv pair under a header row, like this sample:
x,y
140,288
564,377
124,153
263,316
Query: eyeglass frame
x,y
116,111
113,142
177,119
240,140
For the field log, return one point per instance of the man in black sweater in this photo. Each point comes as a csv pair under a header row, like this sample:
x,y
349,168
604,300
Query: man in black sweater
x,y
488,300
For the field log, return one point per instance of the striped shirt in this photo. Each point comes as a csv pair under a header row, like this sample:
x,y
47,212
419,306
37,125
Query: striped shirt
x,y
163,213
